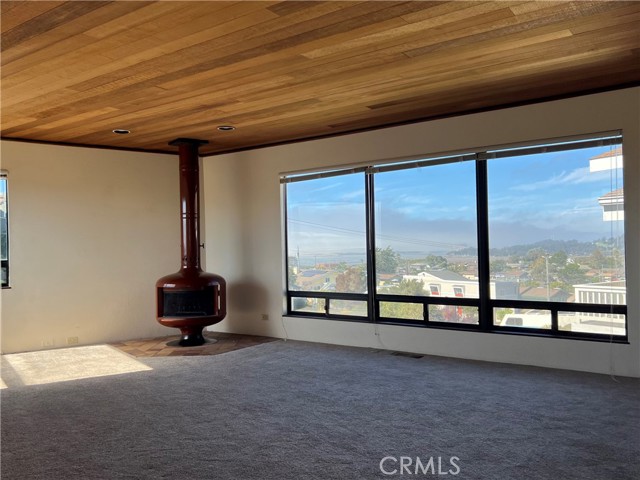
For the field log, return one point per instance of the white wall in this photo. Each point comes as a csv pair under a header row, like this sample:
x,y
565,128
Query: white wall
x,y
248,201
90,233
223,232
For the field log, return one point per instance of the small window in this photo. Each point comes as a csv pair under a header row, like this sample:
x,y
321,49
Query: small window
x,y
402,310
4,231
434,289
454,314
458,291
308,305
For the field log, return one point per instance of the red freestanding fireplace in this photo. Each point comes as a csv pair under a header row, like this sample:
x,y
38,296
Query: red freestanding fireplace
x,y
190,299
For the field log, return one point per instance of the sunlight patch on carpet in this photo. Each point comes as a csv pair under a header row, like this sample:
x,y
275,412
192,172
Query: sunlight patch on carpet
x,y
50,366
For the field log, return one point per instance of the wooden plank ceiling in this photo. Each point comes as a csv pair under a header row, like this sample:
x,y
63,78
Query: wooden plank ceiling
x,y
281,71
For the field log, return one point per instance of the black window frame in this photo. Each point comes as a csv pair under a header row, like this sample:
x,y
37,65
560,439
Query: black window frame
x,y
484,303
4,264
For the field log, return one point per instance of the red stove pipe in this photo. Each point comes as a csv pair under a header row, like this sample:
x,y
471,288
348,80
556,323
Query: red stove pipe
x,y
190,299
189,201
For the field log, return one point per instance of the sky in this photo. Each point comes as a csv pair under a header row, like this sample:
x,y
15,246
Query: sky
x,y
432,209
3,193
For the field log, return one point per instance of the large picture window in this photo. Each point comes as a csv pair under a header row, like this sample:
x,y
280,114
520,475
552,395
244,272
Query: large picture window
x,y
4,231
327,245
526,239
550,233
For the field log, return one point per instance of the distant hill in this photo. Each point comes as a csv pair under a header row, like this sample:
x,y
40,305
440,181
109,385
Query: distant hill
x,y
571,247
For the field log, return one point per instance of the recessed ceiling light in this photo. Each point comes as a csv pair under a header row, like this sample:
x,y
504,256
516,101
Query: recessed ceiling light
x,y
226,128
121,131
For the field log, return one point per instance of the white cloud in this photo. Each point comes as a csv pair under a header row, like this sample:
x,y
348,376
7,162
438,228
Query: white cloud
x,y
325,187
574,177
353,195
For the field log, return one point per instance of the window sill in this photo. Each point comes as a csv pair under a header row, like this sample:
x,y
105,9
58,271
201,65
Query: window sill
x,y
473,328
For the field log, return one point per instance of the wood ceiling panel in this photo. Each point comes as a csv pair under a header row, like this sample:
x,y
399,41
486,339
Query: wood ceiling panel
x,y
446,14
281,71
23,15
43,22
65,33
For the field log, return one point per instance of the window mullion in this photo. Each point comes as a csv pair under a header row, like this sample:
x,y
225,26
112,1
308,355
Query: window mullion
x,y
283,192
371,247
484,286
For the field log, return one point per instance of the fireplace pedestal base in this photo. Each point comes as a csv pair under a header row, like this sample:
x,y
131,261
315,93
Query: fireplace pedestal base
x,y
191,339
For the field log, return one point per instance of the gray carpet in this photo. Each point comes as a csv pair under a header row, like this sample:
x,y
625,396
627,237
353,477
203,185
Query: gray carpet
x,y
293,410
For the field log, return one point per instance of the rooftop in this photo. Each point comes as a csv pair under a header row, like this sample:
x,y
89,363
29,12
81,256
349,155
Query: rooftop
x,y
611,153
447,275
615,194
